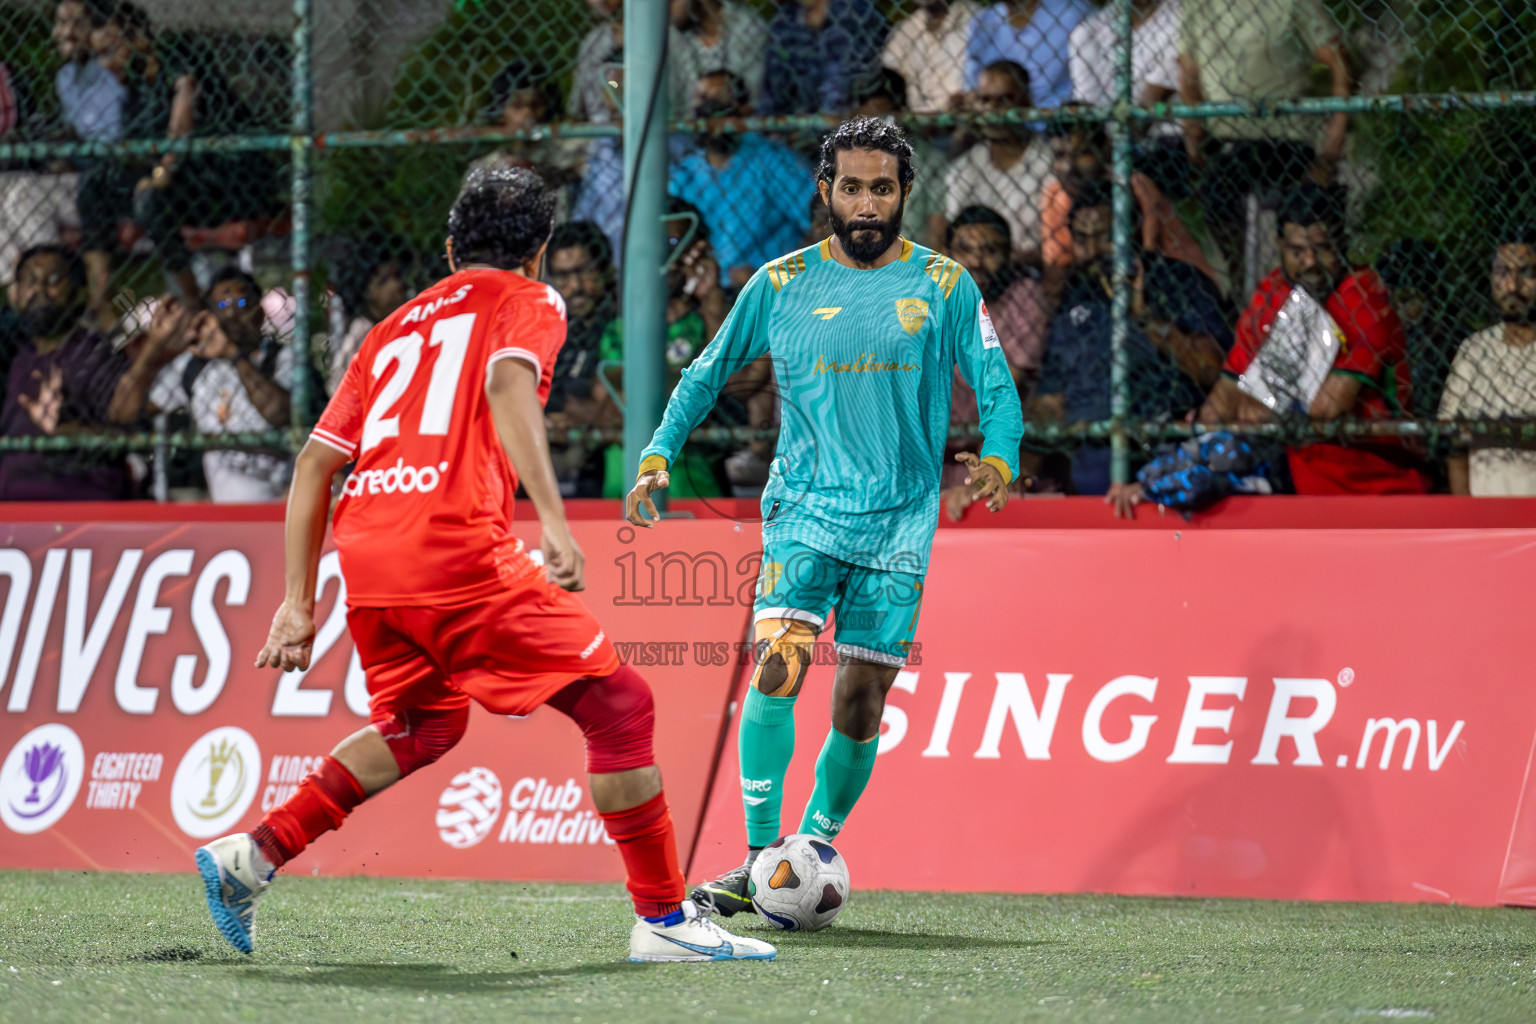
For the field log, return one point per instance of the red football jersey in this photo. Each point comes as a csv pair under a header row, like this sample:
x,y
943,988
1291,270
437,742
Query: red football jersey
x,y
426,516
1375,350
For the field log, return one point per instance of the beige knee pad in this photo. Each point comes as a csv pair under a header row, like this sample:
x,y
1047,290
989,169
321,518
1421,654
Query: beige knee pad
x,y
792,640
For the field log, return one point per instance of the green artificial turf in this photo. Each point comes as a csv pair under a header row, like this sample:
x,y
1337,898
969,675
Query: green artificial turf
x,y
96,947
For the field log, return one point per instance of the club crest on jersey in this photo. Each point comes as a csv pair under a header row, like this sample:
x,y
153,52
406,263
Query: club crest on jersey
x,y
911,313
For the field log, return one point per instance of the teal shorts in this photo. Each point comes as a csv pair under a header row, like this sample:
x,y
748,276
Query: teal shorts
x,y
874,611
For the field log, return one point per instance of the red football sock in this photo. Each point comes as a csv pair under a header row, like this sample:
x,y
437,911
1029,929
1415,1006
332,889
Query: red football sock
x,y
645,840
322,802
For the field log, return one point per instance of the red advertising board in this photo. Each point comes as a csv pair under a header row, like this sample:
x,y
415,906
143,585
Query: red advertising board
x,y
134,728
1313,714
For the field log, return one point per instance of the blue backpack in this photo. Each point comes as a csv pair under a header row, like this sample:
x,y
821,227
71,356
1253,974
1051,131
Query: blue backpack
x,y
1201,471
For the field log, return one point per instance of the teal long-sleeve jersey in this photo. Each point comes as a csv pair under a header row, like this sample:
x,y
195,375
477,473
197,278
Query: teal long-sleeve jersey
x,y
863,361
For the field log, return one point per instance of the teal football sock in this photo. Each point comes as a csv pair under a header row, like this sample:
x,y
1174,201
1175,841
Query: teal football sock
x,y
766,741
842,772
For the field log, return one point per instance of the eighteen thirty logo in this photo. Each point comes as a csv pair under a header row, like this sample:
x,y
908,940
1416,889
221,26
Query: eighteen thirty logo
x,y
467,810
40,778
215,782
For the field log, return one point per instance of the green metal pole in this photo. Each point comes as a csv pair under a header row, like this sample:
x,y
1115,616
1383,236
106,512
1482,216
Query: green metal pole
x,y
645,243
303,128
1120,133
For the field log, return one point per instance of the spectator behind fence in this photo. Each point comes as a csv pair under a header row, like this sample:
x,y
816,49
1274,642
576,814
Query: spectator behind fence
x,y
1257,51
1413,271
1035,34
817,50
1494,376
695,310
61,383
173,91
1008,169
1155,38
580,267
927,48
1179,337
710,34
370,281
885,96
38,205
586,101
235,378
1370,379
980,242
750,190
1080,160
600,192
525,98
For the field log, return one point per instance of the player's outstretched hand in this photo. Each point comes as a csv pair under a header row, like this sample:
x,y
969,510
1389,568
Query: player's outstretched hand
x,y
290,639
984,481
640,497
1125,498
564,563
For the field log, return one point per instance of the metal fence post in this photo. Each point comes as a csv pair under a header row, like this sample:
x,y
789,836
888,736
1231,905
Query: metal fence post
x,y
645,248
300,147
1120,133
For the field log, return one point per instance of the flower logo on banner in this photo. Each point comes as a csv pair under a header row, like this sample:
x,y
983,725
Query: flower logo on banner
x,y
215,782
468,808
40,778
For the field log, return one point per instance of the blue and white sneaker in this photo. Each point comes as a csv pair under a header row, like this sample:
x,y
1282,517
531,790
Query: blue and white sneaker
x,y
692,936
235,874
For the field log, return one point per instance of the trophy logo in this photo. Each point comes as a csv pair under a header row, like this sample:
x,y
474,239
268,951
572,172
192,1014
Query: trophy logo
x,y
40,778
215,782
219,756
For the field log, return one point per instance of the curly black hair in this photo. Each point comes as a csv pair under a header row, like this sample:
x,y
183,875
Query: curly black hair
x,y
501,218
1312,204
866,133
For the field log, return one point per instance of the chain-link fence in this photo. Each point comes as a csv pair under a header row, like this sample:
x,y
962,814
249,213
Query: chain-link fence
x,y
1305,221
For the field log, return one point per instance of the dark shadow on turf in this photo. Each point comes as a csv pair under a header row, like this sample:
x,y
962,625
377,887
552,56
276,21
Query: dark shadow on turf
x,y
436,977
168,955
874,938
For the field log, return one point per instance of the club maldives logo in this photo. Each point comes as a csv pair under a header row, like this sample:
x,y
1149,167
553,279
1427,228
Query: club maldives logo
x,y
40,778
467,810
215,782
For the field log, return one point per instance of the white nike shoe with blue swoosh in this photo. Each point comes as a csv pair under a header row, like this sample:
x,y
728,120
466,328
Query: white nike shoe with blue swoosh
x,y
235,875
695,937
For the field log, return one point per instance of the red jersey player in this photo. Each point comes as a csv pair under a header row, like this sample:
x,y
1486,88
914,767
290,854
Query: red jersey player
x,y
442,411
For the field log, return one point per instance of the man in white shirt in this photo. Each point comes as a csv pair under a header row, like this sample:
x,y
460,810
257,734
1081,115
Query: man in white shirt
x,y
585,102
927,48
707,35
232,380
1494,376
1008,169
1095,48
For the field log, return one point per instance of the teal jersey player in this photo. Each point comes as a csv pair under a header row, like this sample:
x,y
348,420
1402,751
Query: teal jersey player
x,y
864,332
863,360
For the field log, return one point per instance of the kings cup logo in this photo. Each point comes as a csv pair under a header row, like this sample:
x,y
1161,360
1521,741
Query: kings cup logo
x,y
467,810
215,782
40,778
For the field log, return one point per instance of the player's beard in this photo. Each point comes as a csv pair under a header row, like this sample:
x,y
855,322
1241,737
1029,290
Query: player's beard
x,y
865,240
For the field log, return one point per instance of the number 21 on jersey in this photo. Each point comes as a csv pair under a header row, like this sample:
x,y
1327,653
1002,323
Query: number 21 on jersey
x,y
450,336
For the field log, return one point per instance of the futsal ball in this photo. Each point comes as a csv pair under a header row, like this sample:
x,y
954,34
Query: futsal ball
x,y
799,883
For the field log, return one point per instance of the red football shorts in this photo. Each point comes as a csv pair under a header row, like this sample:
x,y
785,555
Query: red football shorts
x,y
509,652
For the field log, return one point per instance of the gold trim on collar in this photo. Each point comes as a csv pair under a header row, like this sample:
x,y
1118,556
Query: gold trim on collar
x,y
906,250
826,248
